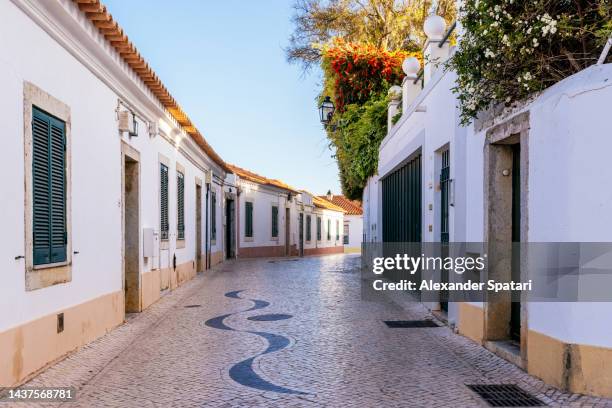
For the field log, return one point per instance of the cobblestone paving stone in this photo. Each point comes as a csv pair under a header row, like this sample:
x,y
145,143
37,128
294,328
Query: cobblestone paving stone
x,y
340,354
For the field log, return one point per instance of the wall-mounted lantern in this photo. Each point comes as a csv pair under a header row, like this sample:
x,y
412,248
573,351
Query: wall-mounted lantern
x,y
326,110
128,123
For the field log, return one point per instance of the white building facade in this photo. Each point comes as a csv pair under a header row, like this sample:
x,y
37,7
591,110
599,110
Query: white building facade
x,y
554,147
353,221
324,225
353,233
113,195
275,219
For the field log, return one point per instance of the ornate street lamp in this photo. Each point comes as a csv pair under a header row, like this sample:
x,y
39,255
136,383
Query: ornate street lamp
x,y
326,110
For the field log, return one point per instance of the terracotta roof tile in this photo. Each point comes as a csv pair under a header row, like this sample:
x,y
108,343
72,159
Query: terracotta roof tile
x,y
256,178
326,204
97,13
351,207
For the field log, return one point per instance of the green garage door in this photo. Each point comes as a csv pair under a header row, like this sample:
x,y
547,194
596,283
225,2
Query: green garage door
x,y
401,203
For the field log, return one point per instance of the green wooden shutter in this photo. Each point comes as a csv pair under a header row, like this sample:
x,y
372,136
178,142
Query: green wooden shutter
x,y
274,221
213,216
346,234
180,201
248,227
48,188
318,228
337,230
328,229
308,227
164,225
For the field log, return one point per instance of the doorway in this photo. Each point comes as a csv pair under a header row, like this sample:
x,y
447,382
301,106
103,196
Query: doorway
x,y
198,217
207,234
515,306
444,223
402,214
131,235
229,229
287,232
506,168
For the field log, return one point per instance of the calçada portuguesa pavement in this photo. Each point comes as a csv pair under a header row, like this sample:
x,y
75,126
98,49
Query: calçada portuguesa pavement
x,y
283,332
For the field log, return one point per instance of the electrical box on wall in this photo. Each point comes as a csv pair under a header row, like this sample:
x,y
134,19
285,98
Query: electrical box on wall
x,y
148,242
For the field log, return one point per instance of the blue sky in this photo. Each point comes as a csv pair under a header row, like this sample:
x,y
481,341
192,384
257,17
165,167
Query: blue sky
x,y
224,63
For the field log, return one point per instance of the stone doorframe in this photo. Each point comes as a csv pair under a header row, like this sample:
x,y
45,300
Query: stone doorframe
x,y
129,152
498,225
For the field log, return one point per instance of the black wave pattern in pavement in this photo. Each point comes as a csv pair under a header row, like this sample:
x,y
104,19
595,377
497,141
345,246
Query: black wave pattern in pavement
x,y
243,372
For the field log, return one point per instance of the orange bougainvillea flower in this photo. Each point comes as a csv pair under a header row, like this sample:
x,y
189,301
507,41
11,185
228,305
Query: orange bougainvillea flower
x,y
359,70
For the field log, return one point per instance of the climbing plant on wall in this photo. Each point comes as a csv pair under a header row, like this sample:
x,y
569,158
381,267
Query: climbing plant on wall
x,y
354,72
511,49
359,130
357,77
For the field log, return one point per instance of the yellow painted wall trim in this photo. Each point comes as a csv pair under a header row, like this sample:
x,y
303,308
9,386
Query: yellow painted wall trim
x,y
152,281
471,322
216,258
577,368
32,346
151,287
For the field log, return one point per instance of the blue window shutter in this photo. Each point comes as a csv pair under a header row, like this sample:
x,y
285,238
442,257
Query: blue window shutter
x,y
48,188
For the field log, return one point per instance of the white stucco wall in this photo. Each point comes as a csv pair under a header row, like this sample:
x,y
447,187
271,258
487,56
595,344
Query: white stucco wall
x,y
37,57
355,225
336,219
370,205
430,130
96,234
568,168
263,198
569,145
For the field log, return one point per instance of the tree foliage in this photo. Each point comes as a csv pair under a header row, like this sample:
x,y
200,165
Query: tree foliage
x,y
511,49
385,24
354,72
357,77
360,44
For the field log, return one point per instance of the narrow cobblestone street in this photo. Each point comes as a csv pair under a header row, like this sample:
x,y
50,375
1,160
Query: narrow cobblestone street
x,y
283,332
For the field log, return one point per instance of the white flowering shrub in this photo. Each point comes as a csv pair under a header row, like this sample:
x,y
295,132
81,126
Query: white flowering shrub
x,y
512,48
